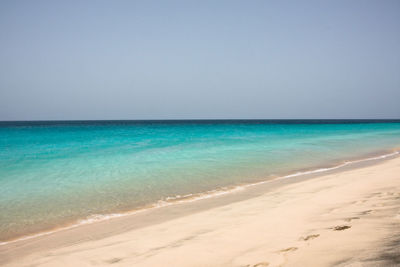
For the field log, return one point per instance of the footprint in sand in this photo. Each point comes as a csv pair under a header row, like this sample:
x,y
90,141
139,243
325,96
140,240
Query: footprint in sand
x,y
366,212
309,237
261,264
113,260
341,227
289,249
351,218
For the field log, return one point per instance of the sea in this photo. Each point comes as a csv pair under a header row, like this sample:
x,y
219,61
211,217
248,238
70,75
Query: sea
x,y
60,174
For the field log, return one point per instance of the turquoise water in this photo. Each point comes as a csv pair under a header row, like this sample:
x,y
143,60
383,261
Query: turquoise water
x,y
54,174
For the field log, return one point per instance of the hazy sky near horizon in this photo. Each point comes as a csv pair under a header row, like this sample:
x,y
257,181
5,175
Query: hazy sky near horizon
x,y
199,59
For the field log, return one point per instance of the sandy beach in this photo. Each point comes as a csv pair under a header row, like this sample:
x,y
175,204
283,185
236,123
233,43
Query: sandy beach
x,y
350,217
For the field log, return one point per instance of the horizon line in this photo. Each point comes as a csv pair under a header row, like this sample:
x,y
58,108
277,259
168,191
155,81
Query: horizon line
x,y
197,119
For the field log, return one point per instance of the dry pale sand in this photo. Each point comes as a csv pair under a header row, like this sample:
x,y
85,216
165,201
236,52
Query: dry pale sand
x,y
347,218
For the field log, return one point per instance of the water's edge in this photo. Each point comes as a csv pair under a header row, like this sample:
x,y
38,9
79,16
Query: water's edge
x,y
205,195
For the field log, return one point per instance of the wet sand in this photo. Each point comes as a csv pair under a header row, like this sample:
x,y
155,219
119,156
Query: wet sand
x,y
349,217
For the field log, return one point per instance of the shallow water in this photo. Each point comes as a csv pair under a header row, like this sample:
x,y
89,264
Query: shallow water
x,y
56,173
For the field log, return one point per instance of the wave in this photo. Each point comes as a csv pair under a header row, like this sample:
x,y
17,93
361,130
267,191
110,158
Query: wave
x,y
193,197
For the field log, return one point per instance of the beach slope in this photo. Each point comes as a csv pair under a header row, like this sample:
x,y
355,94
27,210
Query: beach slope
x,y
347,218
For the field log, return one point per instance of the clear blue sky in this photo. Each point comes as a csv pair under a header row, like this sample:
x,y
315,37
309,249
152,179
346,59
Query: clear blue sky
x,y
199,59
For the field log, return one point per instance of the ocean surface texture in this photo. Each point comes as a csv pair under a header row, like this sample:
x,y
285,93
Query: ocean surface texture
x,y
57,174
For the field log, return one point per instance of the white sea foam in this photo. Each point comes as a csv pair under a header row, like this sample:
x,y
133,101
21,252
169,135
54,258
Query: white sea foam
x,y
191,198
342,165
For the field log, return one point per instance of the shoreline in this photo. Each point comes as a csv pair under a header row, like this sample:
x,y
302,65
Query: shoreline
x,y
169,201
133,222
